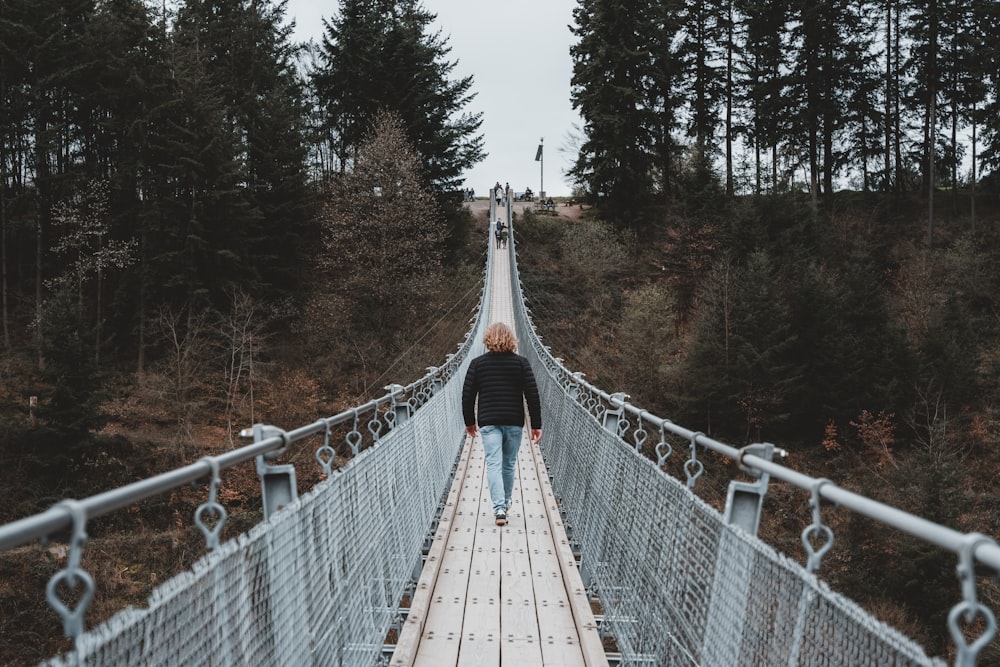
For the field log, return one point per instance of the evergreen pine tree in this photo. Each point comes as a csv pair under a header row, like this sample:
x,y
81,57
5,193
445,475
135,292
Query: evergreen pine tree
x,y
988,15
663,95
379,56
199,226
824,53
253,72
763,59
611,63
924,32
702,56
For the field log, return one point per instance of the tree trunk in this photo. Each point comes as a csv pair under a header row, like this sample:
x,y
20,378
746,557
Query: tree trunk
x,y
972,178
97,320
930,170
774,166
896,132
931,124
3,212
888,178
3,240
729,103
41,216
954,147
756,157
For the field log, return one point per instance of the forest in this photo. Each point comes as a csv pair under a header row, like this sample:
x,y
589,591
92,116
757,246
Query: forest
x,y
791,236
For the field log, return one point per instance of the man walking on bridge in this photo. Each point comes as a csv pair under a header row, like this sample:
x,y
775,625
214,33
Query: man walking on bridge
x,y
503,382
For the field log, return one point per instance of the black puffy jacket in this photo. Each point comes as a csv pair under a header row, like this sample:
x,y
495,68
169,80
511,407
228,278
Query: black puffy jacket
x,y
503,381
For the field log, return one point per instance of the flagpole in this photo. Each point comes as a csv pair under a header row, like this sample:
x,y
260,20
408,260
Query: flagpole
x,y
540,158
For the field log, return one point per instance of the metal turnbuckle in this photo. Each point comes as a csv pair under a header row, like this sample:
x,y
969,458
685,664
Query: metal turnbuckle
x,y
375,427
353,438
325,455
213,533
693,467
72,575
814,555
969,609
663,448
639,435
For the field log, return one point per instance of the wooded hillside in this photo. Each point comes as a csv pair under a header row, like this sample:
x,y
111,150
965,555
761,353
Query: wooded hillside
x,y
872,360
794,239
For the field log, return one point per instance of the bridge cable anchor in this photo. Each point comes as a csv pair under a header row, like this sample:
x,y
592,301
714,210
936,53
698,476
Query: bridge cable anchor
x,y
639,435
663,448
693,467
814,555
612,418
400,410
72,575
745,500
211,505
354,438
278,486
970,608
325,454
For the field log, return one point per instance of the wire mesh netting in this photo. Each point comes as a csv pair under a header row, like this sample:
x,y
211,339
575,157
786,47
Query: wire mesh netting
x,y
678,585
320,583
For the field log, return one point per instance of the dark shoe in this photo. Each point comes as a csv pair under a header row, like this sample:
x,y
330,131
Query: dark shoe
x,y
501,518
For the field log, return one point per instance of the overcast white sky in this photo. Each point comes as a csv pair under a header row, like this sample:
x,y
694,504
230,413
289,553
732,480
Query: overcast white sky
x,y
517,52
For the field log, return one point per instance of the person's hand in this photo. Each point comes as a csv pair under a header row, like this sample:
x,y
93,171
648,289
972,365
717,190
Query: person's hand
x,y
471,430
536,435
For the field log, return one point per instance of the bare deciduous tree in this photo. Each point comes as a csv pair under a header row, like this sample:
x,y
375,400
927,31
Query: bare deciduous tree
x,y
242,336
383,234
187,338
82,222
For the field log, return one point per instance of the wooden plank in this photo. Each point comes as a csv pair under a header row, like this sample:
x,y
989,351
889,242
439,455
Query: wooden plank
x,y
480,642
441,640
579,602
518,620
409,639
440,637
559,637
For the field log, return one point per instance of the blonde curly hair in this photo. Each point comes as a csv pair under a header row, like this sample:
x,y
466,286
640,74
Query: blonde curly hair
x,y
499,338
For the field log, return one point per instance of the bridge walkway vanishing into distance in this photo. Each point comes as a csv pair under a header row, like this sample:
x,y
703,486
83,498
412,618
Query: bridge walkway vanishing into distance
x,y
491,595
604,548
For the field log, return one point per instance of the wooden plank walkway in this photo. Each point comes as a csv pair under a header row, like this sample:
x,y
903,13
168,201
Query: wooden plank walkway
x,y
492,596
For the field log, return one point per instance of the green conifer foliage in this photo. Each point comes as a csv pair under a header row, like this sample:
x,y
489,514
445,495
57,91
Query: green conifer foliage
x,y
380,56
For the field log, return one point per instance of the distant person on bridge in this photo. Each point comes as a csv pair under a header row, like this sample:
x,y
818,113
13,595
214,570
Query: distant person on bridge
x,y
503,382
499,232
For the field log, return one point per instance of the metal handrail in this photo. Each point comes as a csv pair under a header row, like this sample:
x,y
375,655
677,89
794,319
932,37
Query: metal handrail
x,y
59,517
942,536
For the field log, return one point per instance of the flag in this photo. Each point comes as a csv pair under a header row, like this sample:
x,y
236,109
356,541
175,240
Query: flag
x,y
538,153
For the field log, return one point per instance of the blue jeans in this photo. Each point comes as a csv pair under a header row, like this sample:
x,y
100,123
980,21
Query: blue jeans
x,y
500,444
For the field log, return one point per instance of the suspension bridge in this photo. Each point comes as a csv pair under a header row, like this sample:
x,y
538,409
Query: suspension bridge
x,y
395,559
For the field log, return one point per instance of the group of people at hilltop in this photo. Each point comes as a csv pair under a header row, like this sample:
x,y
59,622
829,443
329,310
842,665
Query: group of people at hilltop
x,y
500,193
